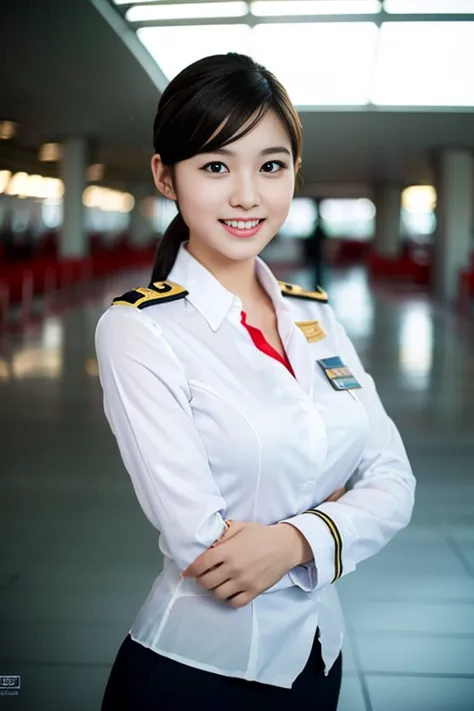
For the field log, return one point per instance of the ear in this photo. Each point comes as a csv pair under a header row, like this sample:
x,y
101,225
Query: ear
x,y
162,178
298,164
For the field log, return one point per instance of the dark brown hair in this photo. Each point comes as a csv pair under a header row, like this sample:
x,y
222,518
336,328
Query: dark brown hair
x,y
229,91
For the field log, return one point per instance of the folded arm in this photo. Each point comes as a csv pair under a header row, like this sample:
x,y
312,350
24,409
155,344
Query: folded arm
x,y
146,401
379,503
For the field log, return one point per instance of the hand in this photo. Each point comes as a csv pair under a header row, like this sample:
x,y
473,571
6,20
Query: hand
x,y
336,495
249,559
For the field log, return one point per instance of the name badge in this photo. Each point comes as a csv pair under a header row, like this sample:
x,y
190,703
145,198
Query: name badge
x,y
338,374
312,330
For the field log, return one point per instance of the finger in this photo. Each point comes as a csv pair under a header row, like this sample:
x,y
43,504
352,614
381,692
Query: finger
x,y
228,589
241,599
202,563
211,579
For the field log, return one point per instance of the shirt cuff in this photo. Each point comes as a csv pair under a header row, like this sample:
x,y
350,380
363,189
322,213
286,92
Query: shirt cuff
x,y
304,576
326,542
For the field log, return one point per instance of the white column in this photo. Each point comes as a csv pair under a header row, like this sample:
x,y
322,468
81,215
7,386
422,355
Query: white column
x,y
387,239
73,175
454,212
141,226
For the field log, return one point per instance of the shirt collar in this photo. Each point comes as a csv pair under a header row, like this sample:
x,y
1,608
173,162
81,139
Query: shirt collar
x,y
207,294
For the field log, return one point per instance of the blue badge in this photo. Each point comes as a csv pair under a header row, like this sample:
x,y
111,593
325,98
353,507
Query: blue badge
x,y
338,374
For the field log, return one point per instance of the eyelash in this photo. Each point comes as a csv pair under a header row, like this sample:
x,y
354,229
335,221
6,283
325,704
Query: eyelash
x,y
280,163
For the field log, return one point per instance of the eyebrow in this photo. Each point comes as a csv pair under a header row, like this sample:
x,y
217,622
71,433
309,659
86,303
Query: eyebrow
x,y
265,152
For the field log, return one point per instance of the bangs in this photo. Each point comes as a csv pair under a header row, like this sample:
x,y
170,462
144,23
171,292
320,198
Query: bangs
x,y
229,118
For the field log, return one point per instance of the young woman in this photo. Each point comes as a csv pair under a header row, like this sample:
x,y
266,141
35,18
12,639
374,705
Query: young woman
x,y
241,412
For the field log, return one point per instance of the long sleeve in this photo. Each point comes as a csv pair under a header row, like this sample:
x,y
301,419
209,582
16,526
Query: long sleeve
x,y
379,504
146,402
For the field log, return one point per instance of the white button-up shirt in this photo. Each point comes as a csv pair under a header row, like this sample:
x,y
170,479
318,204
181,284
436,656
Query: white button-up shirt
x,y
210,428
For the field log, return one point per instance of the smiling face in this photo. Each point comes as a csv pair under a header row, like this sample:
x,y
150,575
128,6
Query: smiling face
x,y
235,199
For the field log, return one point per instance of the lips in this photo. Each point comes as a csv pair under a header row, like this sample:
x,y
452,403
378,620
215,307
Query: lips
x,y
247,223
243,228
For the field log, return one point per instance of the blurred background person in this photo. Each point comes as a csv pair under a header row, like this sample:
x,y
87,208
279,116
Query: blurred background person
x,y
315,251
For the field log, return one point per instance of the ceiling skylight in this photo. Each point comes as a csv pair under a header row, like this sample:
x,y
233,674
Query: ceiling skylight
x,y
422,74
134,2
193,42
186,11
320,63
278,8
417,7
323,61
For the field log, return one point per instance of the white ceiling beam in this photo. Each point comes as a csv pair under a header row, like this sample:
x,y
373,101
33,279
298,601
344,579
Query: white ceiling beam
x,y
131,41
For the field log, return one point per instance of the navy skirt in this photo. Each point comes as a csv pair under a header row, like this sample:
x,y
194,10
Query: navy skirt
x,y
142,680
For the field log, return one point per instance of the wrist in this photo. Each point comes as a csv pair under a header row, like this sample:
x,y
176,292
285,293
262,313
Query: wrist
x,y
297,548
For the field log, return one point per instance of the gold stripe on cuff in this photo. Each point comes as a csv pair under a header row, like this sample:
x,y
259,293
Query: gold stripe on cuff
x,y
337,541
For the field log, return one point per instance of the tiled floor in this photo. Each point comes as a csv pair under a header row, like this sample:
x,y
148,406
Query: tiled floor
x,y
78,556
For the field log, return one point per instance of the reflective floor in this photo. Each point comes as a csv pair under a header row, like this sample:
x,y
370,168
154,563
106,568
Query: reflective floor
x,y
78,555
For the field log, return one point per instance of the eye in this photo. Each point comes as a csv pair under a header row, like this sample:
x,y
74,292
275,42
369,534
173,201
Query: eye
x,y
215,167
270,166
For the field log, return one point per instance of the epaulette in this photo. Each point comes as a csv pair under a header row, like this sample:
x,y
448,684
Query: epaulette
x,y
157,293
299,293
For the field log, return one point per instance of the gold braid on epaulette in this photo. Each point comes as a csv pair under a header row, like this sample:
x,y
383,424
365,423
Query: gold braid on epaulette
x,y
157,293
299,293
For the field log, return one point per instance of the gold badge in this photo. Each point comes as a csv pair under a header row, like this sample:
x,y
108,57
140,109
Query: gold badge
x,y
312,330
157,293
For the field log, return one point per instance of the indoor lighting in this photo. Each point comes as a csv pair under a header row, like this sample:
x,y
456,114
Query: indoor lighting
x,y
280,8
419,198
95,172
5,176
17,185
7,130
34,186
51,189
50,152
425,7
107,200
188,11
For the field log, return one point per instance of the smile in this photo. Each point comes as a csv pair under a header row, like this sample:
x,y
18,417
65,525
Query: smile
x,y
242,228
241,224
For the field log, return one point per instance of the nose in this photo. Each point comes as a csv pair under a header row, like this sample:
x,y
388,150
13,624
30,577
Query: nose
x,y
245,192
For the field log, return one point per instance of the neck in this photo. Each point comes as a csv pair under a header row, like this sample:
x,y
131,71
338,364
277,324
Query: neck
x,y
237,276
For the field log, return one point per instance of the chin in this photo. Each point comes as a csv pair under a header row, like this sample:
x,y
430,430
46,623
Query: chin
x,y
244,249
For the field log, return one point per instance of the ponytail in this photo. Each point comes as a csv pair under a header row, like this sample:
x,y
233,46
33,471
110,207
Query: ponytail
x,y
168,248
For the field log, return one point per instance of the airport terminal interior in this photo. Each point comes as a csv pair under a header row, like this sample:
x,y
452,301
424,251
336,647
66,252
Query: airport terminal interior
x,y
384,222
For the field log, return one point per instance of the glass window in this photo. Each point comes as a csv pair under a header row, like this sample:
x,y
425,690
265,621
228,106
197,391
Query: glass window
x,y
52,213
418,218
348,218
165,210
301,218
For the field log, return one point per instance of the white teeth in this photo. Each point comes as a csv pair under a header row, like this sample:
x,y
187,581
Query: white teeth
x,y
241,225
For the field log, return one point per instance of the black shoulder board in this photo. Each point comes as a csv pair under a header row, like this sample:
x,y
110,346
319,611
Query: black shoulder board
x,y
157,293
299,293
